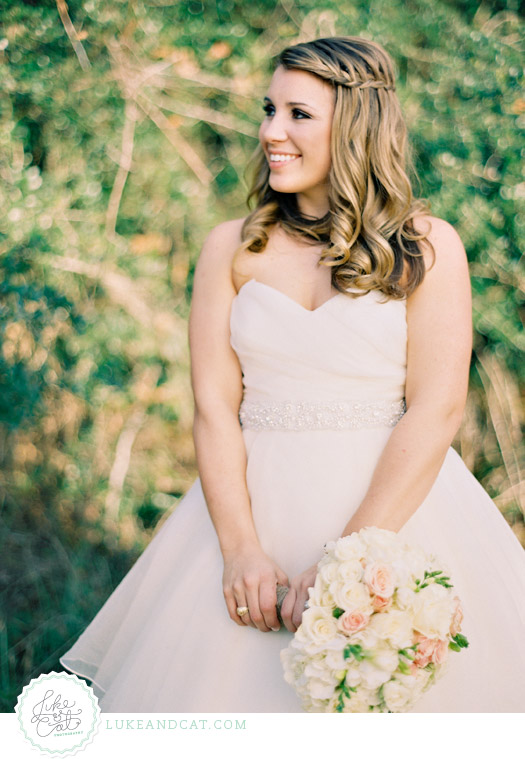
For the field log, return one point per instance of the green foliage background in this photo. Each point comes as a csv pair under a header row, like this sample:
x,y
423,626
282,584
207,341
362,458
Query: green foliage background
x,y
125,130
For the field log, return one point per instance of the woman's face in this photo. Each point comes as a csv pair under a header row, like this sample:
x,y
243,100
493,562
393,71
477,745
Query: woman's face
x,y
295,136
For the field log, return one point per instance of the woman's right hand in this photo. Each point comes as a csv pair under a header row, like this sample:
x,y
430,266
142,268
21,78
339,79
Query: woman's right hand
x,y
249,579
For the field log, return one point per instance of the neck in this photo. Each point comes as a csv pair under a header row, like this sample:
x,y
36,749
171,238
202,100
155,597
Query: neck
x,y
315,207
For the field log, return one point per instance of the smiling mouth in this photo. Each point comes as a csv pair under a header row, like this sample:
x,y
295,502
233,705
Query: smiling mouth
x,y
283,160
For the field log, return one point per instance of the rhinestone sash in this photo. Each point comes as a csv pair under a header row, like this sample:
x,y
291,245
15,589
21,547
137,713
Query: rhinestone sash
x,y
306,415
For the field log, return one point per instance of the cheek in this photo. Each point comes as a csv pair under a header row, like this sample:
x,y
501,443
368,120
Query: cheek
x,y
262,130
326,152
319,151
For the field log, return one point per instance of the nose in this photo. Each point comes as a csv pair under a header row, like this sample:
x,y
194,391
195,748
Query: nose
x,y
274,128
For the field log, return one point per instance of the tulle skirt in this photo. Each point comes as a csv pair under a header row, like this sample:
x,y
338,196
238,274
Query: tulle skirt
x,y
164,642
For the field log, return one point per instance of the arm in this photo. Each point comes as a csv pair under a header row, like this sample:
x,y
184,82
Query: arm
x,y
439,349
438,358
249,575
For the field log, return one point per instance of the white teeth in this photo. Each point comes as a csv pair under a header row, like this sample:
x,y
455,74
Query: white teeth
x,y
278,157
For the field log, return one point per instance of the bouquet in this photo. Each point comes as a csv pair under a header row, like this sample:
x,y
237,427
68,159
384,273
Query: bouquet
x,y
381,620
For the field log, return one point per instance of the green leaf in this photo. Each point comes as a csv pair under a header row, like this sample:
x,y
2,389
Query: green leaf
x,y
354,650
337,612
461,640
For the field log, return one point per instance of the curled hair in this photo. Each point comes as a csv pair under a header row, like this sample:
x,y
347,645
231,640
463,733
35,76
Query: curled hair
x,y
368,232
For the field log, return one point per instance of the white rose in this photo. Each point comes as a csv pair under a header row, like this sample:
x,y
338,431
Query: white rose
x,y
318,669
368,639
395,626
311,705
352,596
359,701
372,677
397,696
318,625
335,660
351,570
417,561
433,608
422,683
335,644
289,662
318,689
381,545
328,572
349,547
404,568
320,595
313,648
415,684
386,659
404,598
353,676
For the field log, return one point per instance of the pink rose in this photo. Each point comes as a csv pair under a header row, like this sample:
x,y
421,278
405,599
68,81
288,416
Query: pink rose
x,y
430,650
423,651
457,618
352,621
380,579
440,651
381,604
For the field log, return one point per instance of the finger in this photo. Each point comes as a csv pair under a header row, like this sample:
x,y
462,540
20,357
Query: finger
x,y
241,600
287,609
245,618
282,579
268,604
252,594
298,609
231,605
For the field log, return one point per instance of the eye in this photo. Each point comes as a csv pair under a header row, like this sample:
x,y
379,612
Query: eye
x,y
268,107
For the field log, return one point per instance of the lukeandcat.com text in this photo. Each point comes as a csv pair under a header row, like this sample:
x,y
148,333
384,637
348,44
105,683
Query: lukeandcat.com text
x,y
173,724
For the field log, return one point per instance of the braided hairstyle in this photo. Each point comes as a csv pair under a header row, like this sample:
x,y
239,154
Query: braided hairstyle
x,y
368,233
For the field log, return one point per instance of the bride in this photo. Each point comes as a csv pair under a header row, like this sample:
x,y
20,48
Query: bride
x,y
330,338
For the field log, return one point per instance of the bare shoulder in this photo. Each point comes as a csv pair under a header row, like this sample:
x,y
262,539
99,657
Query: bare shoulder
x,y
223,238
449,250
446,284
217,252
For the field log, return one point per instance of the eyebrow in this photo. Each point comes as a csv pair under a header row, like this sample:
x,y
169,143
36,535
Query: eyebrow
x,y
268,100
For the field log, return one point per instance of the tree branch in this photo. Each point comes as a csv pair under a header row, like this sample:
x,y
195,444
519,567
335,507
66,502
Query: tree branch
x,y
73,36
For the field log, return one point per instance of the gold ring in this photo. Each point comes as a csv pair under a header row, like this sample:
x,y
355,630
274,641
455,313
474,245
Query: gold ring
x,y
242,610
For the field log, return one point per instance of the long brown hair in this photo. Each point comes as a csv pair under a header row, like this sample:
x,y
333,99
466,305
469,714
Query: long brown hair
x,y
368,231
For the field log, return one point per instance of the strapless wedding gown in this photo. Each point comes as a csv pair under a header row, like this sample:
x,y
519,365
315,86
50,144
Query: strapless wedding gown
x,y
323,391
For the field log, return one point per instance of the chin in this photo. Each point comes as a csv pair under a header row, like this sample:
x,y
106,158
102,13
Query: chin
x,y
285,186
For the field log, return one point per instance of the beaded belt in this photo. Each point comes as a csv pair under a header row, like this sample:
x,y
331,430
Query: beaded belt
x,y
305,415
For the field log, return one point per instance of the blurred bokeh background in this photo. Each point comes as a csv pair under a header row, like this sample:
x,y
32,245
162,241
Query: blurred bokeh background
x,y
125,131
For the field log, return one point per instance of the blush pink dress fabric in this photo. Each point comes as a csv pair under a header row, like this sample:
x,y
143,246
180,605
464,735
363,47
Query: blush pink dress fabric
x,y
163,641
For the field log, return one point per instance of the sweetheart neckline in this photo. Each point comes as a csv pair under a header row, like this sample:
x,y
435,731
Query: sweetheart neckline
x,y
301,308
287,297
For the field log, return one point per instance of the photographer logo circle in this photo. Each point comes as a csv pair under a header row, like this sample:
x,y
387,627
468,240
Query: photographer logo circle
x,y
58,713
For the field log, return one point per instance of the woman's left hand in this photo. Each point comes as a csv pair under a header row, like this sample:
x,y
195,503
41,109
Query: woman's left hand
x,y
293,604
